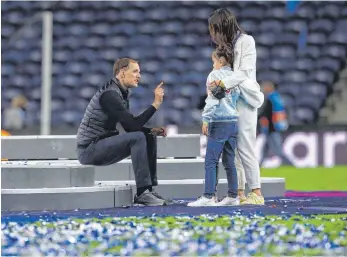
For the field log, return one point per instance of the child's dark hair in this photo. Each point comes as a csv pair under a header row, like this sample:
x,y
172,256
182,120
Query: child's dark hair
x,y
225,52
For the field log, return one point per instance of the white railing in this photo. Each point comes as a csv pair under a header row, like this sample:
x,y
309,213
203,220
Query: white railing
x,y
46,72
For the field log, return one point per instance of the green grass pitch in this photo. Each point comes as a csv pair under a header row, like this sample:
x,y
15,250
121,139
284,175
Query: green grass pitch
x,y
311,179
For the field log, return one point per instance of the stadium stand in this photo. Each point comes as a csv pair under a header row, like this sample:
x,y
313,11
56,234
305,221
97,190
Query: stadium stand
x,y
302,52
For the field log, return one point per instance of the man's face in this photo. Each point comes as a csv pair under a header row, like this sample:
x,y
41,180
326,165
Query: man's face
x,y
131,76
267,87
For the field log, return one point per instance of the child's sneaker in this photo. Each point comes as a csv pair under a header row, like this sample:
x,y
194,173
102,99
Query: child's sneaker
x,y
228,201
203,201
253,198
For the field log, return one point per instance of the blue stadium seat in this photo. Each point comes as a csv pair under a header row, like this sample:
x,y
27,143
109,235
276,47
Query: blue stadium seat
x,y
338,37
305,115
335,51
87,92
126,28
266,39
312,52
328,10
278,13
196,27
173,27
329,64
270,25
62,16
316,89
274,76
306,12
250,26
131,15
288,38
322,76
295,26
294,76
165,40
290,88
71,117
283,51
304,64
263,52
57,104
288,100
157,14
173,116
322,25
343,12
281,64
316,38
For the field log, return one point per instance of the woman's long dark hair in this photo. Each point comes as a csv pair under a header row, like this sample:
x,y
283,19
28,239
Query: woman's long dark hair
x,y
225,31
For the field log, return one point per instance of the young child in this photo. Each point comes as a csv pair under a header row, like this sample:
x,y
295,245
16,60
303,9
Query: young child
x,y
220,119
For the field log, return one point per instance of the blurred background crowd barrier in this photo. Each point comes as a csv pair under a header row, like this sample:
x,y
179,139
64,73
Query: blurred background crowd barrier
x,y
301,47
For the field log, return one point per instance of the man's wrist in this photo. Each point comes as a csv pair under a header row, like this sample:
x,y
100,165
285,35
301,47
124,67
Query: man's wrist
x,y
156,105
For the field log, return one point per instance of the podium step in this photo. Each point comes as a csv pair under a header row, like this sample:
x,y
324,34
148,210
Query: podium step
x,y
167,168
56,147
193,188
48,175
96,197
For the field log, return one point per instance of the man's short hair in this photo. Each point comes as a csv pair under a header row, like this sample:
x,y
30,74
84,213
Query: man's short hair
x,y
122,63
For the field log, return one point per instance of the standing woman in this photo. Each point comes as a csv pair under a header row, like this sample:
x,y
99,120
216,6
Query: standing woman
x,y
225,32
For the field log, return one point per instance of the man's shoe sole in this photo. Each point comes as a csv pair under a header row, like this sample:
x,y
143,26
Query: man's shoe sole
x,y
143,205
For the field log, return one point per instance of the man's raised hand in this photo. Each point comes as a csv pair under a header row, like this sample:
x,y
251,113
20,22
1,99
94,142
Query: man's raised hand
x,y
158,95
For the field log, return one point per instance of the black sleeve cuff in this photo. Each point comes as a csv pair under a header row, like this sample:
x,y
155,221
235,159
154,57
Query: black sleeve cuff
x,y
146,130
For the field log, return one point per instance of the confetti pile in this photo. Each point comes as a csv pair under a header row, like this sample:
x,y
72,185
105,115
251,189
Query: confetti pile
x,y
180,235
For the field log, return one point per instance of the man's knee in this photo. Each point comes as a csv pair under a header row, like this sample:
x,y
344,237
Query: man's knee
x,y
152,140
83,161
138,137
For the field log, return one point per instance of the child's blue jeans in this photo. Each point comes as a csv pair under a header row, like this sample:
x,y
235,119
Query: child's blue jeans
x,y
221,140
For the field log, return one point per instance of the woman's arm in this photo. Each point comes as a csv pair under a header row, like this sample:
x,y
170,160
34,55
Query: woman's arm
x,y
249,88
244,75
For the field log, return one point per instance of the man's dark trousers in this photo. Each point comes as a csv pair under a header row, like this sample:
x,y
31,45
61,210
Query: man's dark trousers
x,y
141,146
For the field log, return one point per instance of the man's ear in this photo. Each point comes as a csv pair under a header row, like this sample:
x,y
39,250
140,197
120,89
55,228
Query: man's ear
x,y
122,73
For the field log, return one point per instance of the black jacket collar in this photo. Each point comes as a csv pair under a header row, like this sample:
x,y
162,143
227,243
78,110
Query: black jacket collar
x,y
123,90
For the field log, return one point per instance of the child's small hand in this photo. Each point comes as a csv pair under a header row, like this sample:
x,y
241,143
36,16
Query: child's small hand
x,y
204,128
217,83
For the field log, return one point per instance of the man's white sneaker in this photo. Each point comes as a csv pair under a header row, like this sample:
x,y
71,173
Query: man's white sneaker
x,y
228,201
203,201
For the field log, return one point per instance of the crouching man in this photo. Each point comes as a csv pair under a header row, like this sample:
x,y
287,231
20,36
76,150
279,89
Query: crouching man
x,y
99,141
